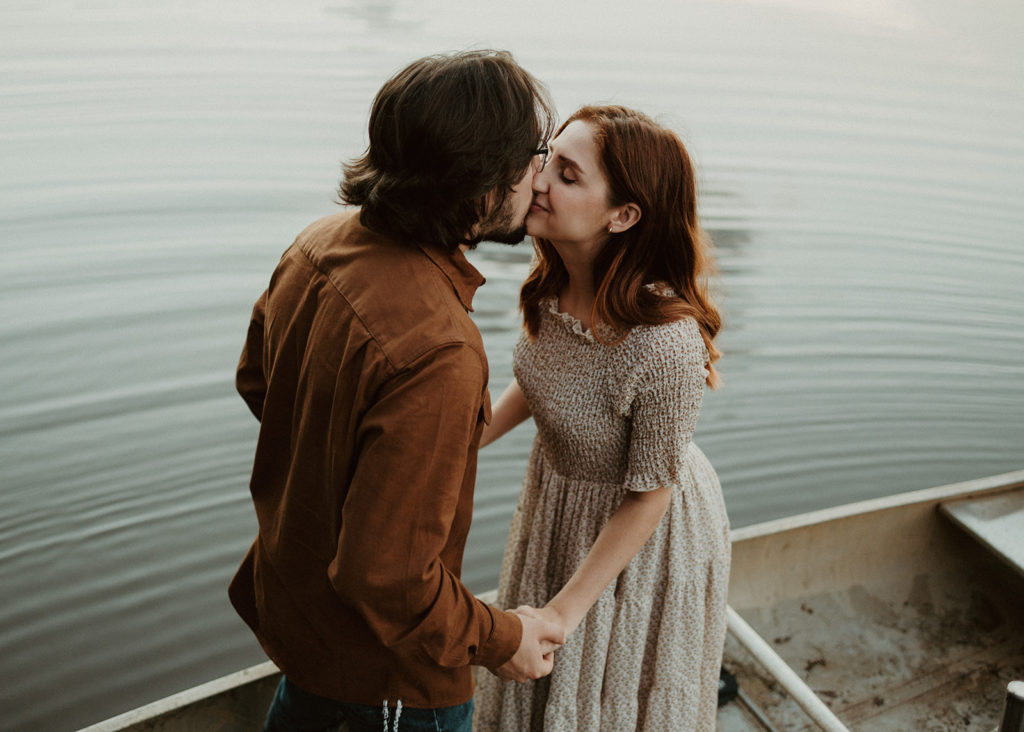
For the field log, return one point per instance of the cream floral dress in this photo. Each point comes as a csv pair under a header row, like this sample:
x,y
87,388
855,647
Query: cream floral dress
x,y
612,419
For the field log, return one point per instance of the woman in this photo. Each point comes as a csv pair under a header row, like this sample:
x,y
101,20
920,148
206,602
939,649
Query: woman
x,y
620,535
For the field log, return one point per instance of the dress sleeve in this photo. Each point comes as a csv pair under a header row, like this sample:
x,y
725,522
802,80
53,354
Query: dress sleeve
x,y
666,405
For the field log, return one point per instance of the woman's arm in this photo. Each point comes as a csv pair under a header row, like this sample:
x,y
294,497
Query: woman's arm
x,y
626,532
510,410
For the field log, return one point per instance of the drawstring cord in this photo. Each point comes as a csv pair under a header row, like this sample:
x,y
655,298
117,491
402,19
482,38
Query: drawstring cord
x,y
398,713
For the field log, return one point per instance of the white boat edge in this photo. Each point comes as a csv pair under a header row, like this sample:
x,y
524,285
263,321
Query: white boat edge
x,y
161,707
964,489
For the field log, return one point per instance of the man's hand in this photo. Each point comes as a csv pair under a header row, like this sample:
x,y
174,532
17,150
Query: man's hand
x,y
536,654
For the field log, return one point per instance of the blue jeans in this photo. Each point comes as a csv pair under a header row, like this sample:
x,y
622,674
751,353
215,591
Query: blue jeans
x,y
295,710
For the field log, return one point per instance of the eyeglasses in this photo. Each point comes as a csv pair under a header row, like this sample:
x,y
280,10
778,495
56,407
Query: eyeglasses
x,y
542,153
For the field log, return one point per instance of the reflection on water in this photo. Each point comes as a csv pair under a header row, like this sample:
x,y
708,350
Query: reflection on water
x,y
861,167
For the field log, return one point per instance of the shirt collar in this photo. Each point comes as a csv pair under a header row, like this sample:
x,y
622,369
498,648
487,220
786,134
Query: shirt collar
x,y
465,278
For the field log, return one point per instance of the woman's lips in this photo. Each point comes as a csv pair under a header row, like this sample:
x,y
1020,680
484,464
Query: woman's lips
x,y
536,207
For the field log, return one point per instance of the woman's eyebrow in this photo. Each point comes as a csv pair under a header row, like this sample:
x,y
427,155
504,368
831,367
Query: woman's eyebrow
x,y
569,162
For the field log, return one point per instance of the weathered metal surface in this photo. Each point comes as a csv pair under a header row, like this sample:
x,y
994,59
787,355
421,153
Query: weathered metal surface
x,y
891,614
787,678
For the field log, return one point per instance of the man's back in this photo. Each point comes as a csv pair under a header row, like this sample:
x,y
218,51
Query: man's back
x,y
369,379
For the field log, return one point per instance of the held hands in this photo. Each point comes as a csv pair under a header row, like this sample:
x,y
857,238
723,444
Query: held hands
x,y
536,654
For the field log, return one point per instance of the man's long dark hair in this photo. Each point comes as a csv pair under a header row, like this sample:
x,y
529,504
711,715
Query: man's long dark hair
x,y
444,132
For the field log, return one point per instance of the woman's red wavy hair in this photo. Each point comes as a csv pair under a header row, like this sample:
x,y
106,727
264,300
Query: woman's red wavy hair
x,y
646,164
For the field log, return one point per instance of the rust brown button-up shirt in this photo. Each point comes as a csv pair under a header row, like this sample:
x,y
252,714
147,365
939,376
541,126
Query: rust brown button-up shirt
x,y
370,383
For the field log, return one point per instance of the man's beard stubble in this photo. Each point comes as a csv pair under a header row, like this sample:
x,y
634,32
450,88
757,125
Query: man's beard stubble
x,y
509,236
502,227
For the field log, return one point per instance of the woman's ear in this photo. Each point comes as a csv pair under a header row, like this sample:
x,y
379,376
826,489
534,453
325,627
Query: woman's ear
x,y
623,218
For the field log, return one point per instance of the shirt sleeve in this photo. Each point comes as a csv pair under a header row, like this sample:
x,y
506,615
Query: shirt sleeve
x,y
666,405
414,444
250,380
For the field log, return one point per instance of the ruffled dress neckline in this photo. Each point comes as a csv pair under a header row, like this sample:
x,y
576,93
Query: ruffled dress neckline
x,y
570,321
607,332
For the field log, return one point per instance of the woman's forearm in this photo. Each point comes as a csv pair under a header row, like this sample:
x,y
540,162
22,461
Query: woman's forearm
x,y
509,411
626,532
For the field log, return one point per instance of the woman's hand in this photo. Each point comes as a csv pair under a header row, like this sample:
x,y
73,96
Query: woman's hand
x,y
535,656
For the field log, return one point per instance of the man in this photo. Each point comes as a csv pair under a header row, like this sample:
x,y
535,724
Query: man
x,y
370,383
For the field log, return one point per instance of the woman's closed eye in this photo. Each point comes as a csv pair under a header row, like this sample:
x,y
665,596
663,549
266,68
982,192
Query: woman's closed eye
x,y
565,178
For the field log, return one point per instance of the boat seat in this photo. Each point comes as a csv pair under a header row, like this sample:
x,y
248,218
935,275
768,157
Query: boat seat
x,y
997,521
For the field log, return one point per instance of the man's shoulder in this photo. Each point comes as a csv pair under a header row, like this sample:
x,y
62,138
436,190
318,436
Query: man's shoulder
x,y
324,232
405,303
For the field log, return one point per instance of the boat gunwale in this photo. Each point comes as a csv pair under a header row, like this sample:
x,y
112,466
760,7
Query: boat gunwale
x,y
991,485
175,702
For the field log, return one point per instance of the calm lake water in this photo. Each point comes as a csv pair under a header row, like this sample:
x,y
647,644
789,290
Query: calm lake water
x,y
862,167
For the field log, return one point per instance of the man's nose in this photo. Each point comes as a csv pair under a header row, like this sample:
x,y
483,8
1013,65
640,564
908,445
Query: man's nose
x,y
540,183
